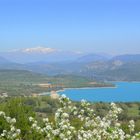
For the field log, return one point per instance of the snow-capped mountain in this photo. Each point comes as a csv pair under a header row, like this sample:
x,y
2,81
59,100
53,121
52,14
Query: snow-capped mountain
x,y
40,54
39,49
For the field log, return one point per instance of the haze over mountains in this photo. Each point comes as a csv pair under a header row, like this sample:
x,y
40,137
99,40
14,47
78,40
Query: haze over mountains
x,y
55,62
3,60
30,55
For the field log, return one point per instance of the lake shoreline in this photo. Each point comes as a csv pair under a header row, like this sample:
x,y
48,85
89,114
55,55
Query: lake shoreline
x,y
83,88
122,92
109,87
124,81
64,89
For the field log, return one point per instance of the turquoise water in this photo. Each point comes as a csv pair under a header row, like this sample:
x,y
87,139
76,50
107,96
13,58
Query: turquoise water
x,y
124,92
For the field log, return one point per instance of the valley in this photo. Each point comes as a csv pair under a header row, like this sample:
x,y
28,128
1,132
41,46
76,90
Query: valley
x,y
27,83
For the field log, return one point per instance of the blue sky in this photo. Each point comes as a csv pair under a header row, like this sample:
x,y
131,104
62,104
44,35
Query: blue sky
x,y
109,26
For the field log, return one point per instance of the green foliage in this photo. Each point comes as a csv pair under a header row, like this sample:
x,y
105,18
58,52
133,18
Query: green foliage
x,y
71,120
22,108
16,108
21,82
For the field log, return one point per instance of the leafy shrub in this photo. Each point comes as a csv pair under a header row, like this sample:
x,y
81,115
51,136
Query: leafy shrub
x,y
70,123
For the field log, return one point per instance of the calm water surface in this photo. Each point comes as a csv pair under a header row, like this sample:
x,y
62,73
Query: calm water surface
x,y
124,92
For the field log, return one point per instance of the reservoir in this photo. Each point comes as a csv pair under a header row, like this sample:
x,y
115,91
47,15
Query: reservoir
x,y
123,92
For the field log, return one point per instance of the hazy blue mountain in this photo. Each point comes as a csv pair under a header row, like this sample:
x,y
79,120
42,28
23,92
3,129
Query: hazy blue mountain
x,y
54,62
128,58
93,57
126,72
115,69
8,64
3,60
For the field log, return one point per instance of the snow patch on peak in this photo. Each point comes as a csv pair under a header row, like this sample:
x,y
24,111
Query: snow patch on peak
x,y
38,50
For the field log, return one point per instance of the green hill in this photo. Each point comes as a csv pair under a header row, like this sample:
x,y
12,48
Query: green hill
x,y
22,82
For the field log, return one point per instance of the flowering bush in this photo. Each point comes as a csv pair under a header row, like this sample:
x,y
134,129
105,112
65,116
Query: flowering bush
x,y
12,133
91,127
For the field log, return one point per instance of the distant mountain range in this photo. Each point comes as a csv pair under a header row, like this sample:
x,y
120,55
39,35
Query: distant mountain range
x,y
128,58
4,61
40,54
93,57
55,62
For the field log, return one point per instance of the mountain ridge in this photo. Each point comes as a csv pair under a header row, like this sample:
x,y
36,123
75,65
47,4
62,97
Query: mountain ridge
x,y
121,67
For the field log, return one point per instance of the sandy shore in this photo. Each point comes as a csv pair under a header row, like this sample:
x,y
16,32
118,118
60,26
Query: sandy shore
x,y
54,95
64,89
